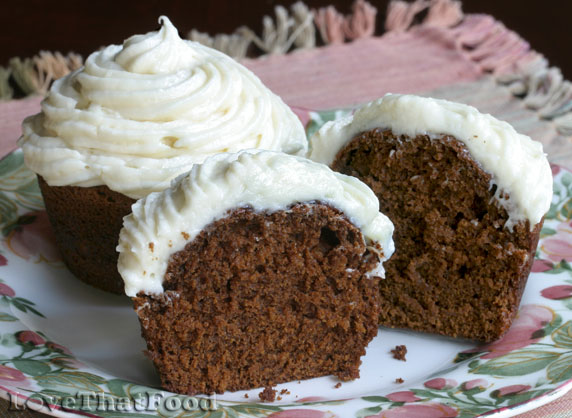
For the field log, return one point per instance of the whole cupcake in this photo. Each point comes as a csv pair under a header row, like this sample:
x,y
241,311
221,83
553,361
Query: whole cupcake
x,y
132,119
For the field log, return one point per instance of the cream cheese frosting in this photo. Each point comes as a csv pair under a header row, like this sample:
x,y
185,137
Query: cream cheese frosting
x,y
139,114
162,223
517,164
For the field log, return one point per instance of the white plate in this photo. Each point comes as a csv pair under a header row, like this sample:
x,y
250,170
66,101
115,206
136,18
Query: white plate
x,y
46,315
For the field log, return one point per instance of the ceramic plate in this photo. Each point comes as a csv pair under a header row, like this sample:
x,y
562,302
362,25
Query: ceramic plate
x,y
65,346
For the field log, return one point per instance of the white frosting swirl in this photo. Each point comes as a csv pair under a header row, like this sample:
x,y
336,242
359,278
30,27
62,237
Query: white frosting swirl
x,y
517,164
163,223
138,115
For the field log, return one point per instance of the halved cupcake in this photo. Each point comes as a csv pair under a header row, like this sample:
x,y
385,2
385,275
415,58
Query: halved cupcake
x,y
255,269
467,195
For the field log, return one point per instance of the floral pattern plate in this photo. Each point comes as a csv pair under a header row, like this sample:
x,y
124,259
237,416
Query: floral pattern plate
x,y
71,350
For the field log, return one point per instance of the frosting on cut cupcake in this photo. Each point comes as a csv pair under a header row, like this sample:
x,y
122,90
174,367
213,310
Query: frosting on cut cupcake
x,y
517,164
139,114
264,181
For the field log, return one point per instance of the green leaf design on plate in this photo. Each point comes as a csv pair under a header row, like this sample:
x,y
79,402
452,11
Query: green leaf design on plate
x,y
471,412
550,327
71,382
9,164
526,396
460,358
566,210
32,367
19,179
518,363
8,210
546,232
561,369
365,412
318,119
8,340
117,387
7,317
375,399
256,410
29,196
566,179
24,305
562,337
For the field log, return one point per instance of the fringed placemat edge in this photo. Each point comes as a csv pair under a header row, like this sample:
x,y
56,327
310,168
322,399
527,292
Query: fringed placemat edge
x,y
487,42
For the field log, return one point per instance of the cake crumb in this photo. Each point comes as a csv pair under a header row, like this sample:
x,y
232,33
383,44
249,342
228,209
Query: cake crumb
x,y
185,236
284,392
151,246
246,395
338,385
268,394
399,352
279,398
399,380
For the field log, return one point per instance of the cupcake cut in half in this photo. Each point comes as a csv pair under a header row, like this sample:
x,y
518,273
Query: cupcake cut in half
x,y
254,269
467,195
132,119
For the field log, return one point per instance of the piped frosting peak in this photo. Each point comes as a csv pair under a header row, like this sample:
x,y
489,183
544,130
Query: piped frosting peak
x,y
138,115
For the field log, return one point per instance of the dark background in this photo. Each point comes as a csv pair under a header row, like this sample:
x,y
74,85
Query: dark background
x,y
28,26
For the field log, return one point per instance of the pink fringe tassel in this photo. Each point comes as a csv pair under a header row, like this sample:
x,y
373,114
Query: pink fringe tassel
x,y
336,28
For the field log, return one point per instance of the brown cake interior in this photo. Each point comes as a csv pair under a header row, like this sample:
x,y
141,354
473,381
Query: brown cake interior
x,y
456,270
262,298
86,223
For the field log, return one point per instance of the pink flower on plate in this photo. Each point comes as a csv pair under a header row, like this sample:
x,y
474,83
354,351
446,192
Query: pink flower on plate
x,y
57,347
6,290
405,396
302,413
33,238
565,227
311,399
509,390
424,410
67,362
557,292
557,249
13,376
439,383
30,337
523,332
540,266
476,383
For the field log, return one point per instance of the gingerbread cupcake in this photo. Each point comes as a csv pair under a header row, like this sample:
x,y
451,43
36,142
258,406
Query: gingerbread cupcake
x,y
132,119
255,269
467,195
